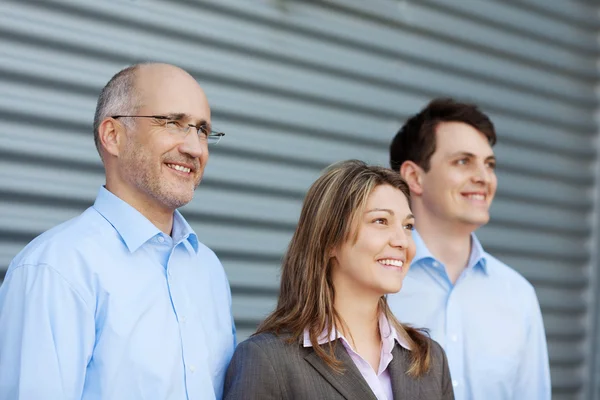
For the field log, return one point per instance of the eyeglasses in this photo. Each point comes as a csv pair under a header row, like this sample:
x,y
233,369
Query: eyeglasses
x,y
176,127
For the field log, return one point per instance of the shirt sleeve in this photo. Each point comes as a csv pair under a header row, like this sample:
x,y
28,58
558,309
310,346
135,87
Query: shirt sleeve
x,y
233,329
47,335
533,378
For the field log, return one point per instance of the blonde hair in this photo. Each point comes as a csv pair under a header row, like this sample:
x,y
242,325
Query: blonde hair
x,y
306,296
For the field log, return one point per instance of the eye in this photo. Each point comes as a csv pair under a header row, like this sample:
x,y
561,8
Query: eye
x,y
380,221
462,161
409,227
491,165
172,124
203,131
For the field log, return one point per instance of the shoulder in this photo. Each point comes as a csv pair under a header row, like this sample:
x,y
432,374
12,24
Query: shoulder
x,y
65,255
277,348
265,350
508,278
439,361
207,252
437,352
268,342
208,256
67,240
208,260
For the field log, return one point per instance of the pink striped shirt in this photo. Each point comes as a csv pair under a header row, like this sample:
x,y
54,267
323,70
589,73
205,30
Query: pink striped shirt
x,y
380,381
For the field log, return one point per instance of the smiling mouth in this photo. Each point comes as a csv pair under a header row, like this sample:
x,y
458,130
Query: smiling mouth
x,y
388,262
475,196
179,168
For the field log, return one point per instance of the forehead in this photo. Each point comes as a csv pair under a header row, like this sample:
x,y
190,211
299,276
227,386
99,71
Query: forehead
x,y
389,198
166,89
455,137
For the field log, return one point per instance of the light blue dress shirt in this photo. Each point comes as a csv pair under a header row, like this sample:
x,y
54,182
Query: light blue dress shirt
x,y
106,306
489,323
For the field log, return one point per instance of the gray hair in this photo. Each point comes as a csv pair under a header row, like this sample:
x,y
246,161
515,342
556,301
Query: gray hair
x,y
118,97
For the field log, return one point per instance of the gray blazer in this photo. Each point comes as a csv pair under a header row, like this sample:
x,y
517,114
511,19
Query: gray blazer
x,y
267,367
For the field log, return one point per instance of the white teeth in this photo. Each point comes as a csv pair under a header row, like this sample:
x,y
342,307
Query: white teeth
x,y
179,168
476,196
394,263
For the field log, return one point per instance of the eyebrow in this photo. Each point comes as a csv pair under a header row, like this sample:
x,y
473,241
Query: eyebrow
x,y
387,210
471,155
408,216
178,116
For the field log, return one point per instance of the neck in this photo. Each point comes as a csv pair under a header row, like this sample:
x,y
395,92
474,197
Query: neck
x,y
159,216
361,316
449,243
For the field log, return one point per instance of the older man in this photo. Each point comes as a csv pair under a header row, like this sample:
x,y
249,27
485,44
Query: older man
x,y
123,301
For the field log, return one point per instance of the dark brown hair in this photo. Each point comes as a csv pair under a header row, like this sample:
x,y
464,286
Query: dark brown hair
x,y
416,140
328,219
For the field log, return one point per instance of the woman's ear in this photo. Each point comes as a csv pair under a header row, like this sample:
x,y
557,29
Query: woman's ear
x,y
413,175
332,253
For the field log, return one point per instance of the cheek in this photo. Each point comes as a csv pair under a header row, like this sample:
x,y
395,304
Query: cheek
x,y
494,184
456,180
448,181
204,156
411,250
367,246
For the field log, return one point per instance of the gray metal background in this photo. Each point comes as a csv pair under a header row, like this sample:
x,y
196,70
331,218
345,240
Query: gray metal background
x,y
299,84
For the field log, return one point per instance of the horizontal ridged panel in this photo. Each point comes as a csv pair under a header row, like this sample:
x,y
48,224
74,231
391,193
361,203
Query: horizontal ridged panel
x,y
297,85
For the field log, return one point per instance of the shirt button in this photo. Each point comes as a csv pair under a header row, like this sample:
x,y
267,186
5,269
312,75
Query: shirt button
x,y
192,368
455,383
161,239
454,338
183,320
169,273
435,264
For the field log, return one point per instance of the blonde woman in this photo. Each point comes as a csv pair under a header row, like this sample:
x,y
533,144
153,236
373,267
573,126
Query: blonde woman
x,y
332,335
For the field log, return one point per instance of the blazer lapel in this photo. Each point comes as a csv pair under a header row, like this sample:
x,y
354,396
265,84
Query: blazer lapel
x,y
349,383
403,386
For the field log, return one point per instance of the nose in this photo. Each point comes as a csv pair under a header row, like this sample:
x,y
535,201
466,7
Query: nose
x,y
399,238
193,145
482,174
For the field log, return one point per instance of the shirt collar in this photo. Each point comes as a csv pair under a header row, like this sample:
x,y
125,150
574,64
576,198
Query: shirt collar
x,y
476,258
182,230
133,227
387,331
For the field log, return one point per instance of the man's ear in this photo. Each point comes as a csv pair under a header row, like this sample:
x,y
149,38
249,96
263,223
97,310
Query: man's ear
x,y
110,133
413,175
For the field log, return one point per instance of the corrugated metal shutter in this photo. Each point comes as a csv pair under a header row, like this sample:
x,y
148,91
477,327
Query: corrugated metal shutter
x,y
300,84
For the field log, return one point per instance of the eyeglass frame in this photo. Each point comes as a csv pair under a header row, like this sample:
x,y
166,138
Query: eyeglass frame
x,y
209,134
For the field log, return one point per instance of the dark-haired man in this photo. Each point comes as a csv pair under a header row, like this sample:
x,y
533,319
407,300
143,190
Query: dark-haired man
x,y
485,314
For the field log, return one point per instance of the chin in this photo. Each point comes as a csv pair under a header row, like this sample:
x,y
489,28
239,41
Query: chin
x,y
484,219
475,219
181,195
391,289
174,202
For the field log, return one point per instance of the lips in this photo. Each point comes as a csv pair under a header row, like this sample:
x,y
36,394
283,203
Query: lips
x,y
393,263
